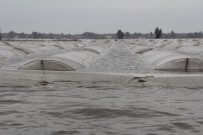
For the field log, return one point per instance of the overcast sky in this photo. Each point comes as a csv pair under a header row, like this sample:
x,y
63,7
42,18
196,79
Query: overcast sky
x,y
101,16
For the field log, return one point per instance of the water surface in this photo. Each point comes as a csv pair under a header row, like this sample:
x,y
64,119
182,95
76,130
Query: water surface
x,y
101,110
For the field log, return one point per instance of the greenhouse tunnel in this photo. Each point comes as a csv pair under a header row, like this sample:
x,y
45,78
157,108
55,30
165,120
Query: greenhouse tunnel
x,y
163,60
70,61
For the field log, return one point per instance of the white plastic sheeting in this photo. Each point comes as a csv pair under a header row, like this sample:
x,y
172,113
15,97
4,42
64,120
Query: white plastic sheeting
x,y
97,46
170,44
191,49
95,49
14,51
62,62
77,58
173,61
8,51
140,49
42,46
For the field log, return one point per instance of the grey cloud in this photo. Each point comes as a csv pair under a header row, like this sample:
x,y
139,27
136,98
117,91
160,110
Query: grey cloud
x,y
100,16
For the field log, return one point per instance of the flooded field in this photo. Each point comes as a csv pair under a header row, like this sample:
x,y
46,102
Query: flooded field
x,y
101,110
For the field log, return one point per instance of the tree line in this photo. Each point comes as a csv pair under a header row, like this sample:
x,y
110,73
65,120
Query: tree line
x,y
158,33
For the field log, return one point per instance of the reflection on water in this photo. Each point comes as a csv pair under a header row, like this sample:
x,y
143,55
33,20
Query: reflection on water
x,y
101,110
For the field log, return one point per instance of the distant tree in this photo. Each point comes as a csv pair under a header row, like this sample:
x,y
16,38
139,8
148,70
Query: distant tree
x,y
34,35
1,35
158,33
120,34
40,35
89,35
195,35
127,35
62,36
172,34
151,35
22,35
137,35
11,34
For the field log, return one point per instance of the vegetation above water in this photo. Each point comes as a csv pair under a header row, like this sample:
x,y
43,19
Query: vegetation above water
x,y
90,35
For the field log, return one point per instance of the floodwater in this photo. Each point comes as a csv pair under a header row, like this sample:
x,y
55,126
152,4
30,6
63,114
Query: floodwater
x,y
102,110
